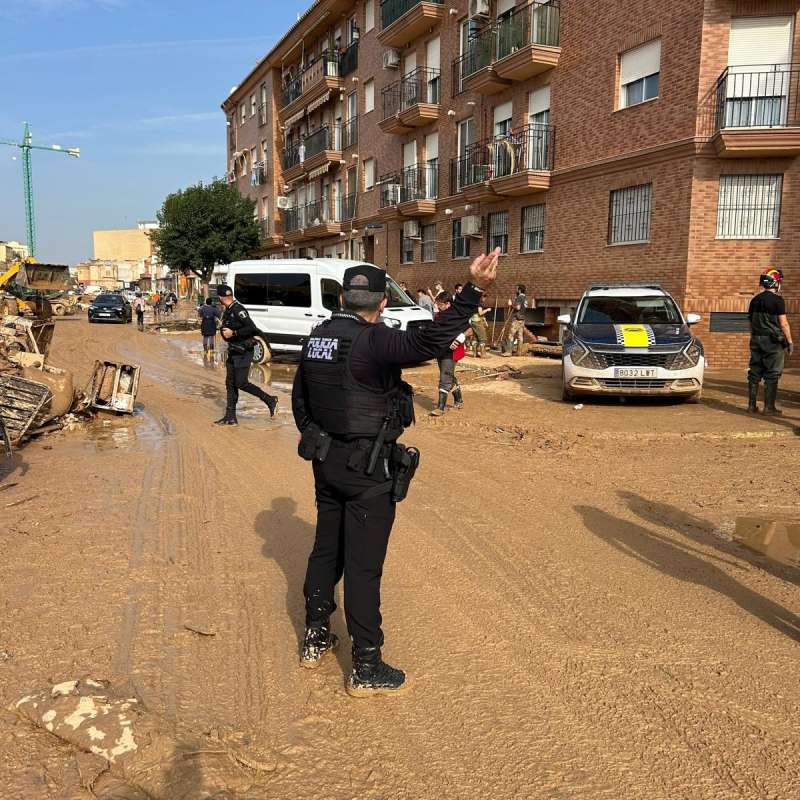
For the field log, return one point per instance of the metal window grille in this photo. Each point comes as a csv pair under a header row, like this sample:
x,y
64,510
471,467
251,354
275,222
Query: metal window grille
x,y
497,225
532,236
460,242
629,214
749,206
406,249
429,243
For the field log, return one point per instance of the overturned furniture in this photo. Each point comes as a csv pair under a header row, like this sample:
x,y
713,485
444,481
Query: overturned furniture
x,y
113,386
21,403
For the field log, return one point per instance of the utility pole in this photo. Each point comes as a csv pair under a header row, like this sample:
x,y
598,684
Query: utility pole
x,y
26,145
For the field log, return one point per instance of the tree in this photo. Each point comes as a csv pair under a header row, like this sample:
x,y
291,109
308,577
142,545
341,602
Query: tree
x,y
206,225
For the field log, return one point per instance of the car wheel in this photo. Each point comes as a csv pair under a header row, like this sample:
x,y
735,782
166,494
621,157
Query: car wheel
x,y
566,394
695,398
262,353
58,310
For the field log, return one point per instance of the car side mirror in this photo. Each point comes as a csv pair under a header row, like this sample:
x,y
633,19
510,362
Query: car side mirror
x,y
693,319
564,319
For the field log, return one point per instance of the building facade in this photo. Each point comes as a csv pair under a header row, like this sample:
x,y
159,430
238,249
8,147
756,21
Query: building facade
x,y
629,141
11,252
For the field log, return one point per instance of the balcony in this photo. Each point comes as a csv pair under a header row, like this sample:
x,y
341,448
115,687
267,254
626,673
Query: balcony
x,y
269,237
318,218
755,112
319,149
521,45
411,192
402,21
313,81
412,102
513,165
258,174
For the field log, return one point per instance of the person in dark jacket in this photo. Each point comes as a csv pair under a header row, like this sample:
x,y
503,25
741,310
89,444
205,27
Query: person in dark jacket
x,y
447,360
351,407
209,314
238,330
770,340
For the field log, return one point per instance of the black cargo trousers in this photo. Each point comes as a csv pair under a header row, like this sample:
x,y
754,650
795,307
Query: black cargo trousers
x,y
351,541
237,378
766,360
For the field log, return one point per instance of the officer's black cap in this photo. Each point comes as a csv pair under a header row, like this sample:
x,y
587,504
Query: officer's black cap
x,y
366,278
223,290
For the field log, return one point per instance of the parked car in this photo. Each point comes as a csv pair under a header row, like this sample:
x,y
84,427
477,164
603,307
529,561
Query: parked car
x,y
631,339
288,297
110,307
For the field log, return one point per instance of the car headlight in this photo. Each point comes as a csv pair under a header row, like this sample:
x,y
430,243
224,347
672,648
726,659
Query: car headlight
x,y
392,323
688,357
577,352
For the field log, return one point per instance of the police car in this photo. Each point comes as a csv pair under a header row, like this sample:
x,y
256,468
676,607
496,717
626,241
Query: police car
x,y
631,339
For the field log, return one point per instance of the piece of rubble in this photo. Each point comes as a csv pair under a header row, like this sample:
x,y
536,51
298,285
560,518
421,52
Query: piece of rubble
x,y
150,754
113,386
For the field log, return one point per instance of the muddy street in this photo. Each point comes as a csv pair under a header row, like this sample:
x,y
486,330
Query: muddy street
x,y
566,586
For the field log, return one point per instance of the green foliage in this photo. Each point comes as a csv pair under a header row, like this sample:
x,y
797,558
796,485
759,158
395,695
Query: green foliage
x,y
206,225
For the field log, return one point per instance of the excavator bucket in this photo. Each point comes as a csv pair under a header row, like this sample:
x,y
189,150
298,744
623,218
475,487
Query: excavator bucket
x,y
44,277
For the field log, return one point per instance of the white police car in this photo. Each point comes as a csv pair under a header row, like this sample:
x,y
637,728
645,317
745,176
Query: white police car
x,y
631,339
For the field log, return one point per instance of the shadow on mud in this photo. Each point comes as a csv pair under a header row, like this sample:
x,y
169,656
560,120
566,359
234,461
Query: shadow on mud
x,y
685,563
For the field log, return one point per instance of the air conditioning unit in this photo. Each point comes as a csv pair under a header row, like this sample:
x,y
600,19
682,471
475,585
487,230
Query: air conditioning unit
x,y
391,59
393,194
284,202
478,8
411,229
471,225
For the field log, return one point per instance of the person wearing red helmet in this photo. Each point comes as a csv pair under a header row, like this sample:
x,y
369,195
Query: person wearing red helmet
x,y
770,339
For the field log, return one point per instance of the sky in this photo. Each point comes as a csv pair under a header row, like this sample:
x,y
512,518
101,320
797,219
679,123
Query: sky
x,y
137,85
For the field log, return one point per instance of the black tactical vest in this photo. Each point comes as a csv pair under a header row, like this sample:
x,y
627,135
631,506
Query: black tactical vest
x,y
339,404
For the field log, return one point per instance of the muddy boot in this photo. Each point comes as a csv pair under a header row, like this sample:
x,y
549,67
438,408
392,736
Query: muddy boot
x,y
272,403
440,408
457,398
317,642
228,419
372,676
752,397
770,395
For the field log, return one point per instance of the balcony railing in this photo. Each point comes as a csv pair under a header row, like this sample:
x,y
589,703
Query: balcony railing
x,y
535,23
764,96
420,182
325,211
420,86
528,149
392,10
337,137
348,60
325,66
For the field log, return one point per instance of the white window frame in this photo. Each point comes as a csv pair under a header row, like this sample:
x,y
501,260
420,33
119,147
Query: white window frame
x,y
243,112
253,104
640,67
749,206
369,174
369,15
369,95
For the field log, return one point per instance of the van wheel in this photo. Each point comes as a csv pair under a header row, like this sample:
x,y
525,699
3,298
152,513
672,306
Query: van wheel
x,y
59,310
262,353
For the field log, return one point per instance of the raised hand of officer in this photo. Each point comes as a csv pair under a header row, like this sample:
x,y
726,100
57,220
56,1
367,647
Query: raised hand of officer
x,y
483,269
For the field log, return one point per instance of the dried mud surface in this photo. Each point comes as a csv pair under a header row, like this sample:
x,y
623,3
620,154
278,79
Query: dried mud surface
x,y
563,584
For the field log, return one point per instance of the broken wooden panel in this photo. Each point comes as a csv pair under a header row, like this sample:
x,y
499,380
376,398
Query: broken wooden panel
x,y
21,400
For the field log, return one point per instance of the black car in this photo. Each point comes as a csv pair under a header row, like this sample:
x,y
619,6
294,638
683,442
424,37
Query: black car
x,y
110,308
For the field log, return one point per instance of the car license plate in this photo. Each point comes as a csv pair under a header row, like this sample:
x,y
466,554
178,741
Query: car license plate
x,y
634,372
105,313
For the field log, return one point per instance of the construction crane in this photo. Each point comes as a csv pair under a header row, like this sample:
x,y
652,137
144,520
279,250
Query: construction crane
x,y
26,145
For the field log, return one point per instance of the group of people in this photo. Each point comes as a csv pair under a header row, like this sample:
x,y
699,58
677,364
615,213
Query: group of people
x,y
159,302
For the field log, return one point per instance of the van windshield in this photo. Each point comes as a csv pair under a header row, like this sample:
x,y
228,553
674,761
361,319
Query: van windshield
x,y
629,310
397,297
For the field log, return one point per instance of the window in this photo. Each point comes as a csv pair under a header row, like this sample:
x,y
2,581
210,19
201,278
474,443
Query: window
x,y
243,112
497,224
639,74
252,105
273,289
369,96
406,249
330,288
369,12
629,215
429,242
749,206
532,236
644,310
369,173
460,243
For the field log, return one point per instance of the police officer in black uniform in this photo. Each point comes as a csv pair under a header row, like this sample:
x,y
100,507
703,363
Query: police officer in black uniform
x,y
238,330
351,406
770,339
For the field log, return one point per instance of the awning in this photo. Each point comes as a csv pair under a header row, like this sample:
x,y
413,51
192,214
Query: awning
x,y
295,117
319,102
315,173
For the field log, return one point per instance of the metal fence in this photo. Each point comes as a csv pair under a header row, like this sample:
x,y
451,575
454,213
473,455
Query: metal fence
x,y
323,211
420,86
339,136
530,148
392,10
325,65
348,60
420,182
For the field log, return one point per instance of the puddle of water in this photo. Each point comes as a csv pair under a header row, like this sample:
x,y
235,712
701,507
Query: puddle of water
x,y
112,433
776,538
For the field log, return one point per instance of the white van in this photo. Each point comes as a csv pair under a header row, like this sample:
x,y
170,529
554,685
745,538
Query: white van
x,y
288,297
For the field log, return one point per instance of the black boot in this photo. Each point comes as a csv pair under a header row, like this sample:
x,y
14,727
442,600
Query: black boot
x,y
441,406
457,398
316,643
752,397
228,419
371,675
770,395
272,404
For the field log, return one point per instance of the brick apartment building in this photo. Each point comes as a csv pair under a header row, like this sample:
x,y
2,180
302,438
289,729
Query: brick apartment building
x,y
607,141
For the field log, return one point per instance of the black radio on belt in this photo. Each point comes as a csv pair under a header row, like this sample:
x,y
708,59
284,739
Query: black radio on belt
x,y
314,444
